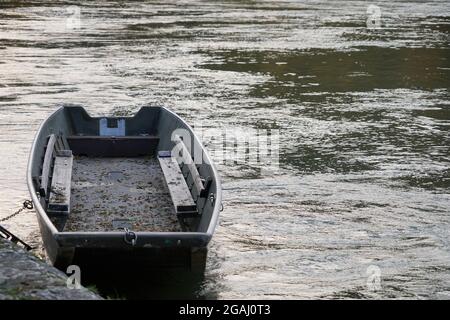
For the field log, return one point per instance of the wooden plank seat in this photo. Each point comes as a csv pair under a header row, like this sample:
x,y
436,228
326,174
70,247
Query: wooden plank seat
x,y
47,165
189,169
59,196
184,204
185,184
54,144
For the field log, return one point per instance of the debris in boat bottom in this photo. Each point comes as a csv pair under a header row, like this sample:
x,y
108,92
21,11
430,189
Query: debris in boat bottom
x,y
122,224
113,193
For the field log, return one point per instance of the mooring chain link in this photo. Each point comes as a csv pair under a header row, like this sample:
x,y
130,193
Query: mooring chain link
x,y
27,204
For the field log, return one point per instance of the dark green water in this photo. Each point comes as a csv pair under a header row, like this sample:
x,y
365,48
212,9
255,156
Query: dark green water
x,y
363,117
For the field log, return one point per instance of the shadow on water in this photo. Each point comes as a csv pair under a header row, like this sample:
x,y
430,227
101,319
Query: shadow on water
x,y
142,273
366,68
120,282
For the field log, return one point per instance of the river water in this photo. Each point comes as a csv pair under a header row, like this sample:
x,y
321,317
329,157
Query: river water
x,y
359,206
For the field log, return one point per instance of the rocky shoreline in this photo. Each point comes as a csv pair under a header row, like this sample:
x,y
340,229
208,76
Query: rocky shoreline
x,y
23,276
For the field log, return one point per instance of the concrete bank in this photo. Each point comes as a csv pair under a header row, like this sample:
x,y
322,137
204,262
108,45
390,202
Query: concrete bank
x,y
24,276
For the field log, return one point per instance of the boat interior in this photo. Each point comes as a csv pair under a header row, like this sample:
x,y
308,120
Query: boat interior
x,y
106,174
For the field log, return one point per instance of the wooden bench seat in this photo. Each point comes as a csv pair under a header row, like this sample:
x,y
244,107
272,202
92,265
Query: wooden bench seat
x,y
184,204
188,168
187,188
59,197
47,165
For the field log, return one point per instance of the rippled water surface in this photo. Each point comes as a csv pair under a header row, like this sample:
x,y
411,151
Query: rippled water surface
x,y
363,117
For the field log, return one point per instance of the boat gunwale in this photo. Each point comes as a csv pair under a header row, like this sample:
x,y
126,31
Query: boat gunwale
x,y
146,234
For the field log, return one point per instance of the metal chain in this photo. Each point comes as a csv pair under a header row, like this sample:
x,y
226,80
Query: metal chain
x,y
27,204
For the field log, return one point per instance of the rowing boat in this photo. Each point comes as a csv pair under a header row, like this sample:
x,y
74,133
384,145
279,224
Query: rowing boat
x,y
137,190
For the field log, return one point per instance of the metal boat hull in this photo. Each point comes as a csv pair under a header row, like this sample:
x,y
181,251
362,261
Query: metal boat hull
x,y
186,248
